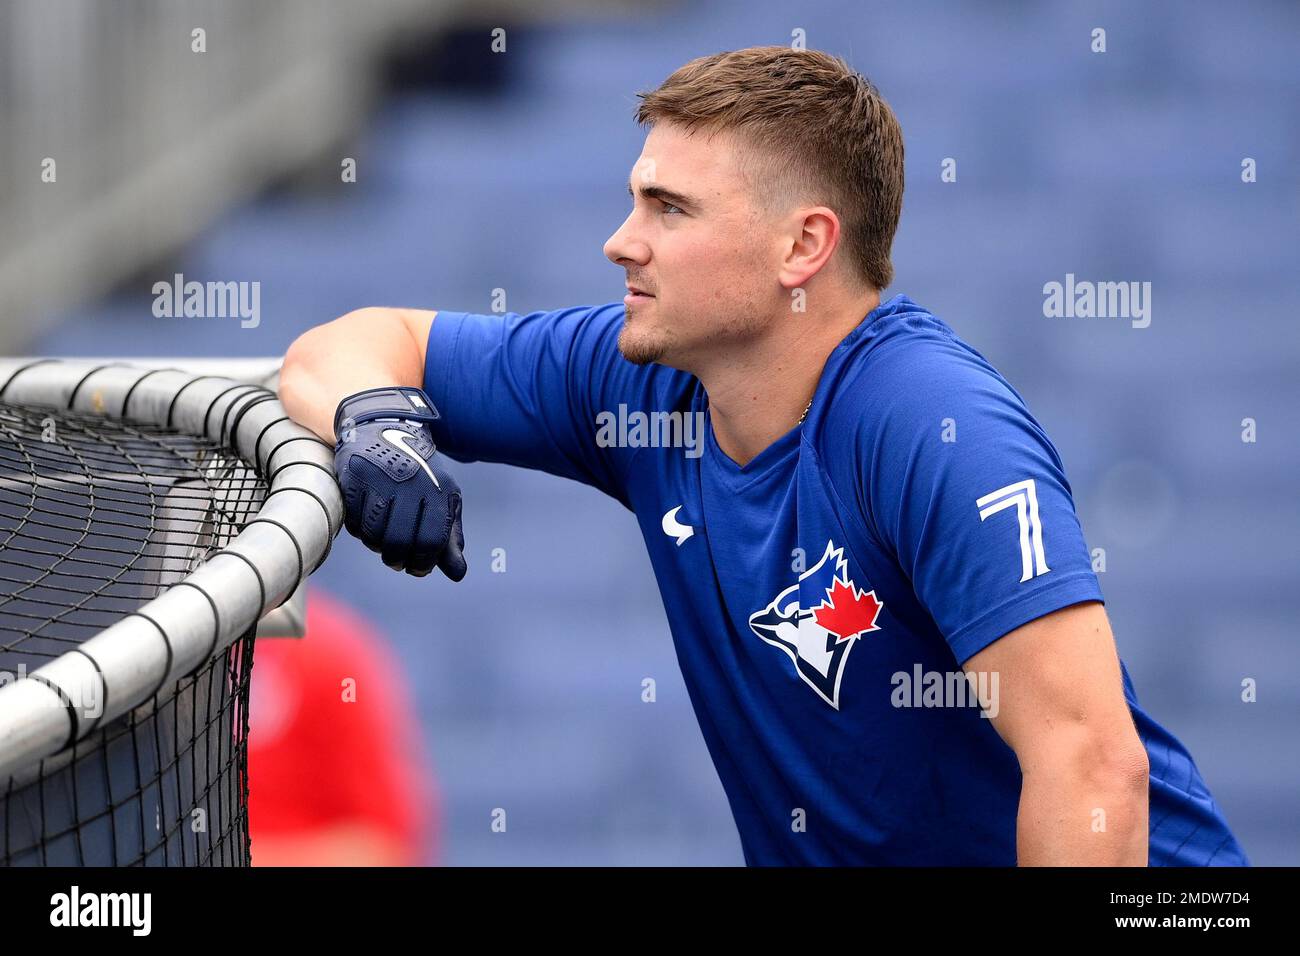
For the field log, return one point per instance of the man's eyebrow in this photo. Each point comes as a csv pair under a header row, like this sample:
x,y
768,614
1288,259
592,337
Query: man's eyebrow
x,y
664,194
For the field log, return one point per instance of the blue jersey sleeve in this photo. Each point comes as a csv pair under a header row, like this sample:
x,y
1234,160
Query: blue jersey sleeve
x,y
963,485
526,389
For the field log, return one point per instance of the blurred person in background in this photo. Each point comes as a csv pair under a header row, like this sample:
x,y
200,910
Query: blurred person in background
x,y
337,776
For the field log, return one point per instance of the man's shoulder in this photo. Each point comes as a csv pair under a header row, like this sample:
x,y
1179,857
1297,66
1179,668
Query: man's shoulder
x,y
912,402
904,367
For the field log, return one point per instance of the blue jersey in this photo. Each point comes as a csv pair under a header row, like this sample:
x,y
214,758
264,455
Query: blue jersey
x,y
823,596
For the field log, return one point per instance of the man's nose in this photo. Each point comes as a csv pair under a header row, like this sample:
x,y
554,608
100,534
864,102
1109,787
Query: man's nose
x,y
622,246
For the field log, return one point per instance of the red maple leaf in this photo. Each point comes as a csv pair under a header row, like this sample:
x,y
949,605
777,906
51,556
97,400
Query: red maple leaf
x,y
846,611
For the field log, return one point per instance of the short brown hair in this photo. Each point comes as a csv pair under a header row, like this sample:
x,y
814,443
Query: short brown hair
x,y
811,129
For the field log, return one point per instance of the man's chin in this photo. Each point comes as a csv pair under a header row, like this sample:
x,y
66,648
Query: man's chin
x,y
640,346
638,353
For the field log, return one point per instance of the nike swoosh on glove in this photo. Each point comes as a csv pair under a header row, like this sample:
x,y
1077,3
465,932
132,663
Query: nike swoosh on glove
x,y
398,498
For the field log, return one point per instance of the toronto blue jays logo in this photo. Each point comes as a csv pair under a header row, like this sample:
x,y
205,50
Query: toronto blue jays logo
x,y
818,620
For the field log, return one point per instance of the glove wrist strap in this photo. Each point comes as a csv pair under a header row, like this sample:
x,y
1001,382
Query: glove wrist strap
x,y
392,401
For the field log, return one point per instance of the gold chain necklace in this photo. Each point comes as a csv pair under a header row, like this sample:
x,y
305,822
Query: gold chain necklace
x,y
805,412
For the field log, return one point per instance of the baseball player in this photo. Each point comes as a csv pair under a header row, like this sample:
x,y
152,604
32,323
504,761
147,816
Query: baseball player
x,y
879,591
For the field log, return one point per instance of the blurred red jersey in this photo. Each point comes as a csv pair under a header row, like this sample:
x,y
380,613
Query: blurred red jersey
x,y
337,774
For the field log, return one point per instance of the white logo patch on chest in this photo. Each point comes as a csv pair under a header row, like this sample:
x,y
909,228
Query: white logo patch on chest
x,y
674,528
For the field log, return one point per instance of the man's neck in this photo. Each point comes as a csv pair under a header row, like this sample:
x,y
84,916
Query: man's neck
x,y
758,395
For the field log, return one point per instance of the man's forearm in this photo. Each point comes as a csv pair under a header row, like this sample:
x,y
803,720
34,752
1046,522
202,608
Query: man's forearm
x,y
368,348
1073,814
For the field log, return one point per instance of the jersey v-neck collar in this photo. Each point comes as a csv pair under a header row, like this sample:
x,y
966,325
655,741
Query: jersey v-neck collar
x,y
771,459
775,456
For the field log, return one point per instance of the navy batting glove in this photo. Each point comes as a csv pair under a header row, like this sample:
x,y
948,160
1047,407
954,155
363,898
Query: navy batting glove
x,y
397,496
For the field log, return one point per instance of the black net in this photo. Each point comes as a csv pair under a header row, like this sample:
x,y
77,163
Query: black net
x,y
96,518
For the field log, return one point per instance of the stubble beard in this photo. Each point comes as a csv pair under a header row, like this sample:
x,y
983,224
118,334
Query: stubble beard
x,y
642,346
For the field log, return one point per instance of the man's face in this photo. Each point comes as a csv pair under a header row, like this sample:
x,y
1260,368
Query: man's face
x,y
695,242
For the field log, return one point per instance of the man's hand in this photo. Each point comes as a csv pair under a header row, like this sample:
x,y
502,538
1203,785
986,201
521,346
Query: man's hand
x,y
398,498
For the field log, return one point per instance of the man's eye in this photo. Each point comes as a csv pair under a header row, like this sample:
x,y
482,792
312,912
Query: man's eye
x,y
668,206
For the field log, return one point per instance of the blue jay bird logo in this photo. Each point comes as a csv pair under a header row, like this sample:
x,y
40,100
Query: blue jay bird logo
x,y
817,621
